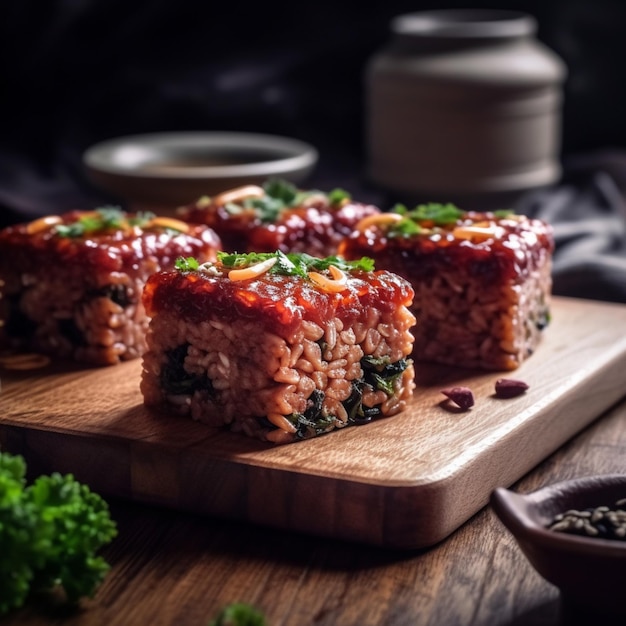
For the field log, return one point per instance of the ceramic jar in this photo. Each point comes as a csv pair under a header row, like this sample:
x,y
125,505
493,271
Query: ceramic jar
x,y
463,105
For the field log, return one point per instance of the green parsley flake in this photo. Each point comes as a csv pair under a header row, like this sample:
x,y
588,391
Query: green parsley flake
x,y
103,219
292,264
500,213
188,264
438,214
423,216
338,196
279,196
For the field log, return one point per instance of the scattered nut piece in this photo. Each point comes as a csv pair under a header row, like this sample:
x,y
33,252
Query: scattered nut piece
x,y
24,361
239,194
43,223
510,388
461,396
377,220
167,222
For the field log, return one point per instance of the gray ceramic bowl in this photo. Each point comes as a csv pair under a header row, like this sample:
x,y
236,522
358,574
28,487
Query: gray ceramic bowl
x,y
171,169
589,571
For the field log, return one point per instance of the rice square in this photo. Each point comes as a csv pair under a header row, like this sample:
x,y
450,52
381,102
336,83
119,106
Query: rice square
x,y
482,280
278,216
278,347
71,284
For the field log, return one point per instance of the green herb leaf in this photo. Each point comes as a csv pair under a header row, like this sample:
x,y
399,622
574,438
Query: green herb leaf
x,y
110,217
287,266
102,219
404,228
282,190
337,196
503,213
279,196
141,218
267,208
50,532
239,614
188,264
431,214
400,209
440,214
293,264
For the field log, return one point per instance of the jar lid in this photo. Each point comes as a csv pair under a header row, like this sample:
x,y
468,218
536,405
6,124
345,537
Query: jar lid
x,y
465,23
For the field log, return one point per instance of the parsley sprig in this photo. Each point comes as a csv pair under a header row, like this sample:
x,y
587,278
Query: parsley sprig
x,y
50,533
293,264
239,614
290,264
432,215
279,196
423,216
103,219
186,264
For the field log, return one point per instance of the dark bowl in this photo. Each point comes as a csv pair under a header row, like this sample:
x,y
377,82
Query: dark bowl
x,y
590,572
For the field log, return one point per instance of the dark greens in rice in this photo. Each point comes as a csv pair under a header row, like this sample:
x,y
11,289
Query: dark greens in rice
x,y
281,347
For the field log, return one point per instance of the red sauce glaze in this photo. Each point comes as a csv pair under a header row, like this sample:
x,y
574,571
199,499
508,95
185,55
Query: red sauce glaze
x,y
118,250
317,228
519,251
277,303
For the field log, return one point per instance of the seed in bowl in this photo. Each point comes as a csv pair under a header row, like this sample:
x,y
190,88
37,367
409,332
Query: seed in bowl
x,y
602,522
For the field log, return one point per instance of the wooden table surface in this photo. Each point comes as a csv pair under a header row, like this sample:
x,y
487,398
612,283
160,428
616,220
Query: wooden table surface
x,y
173,568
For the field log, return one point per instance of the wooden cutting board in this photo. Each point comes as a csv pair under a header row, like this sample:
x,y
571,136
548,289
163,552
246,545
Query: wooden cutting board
x,y
407,481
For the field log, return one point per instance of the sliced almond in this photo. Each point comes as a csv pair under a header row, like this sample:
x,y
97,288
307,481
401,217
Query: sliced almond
x,y
239,194
379,219
337,283
43,223
168,222
253,271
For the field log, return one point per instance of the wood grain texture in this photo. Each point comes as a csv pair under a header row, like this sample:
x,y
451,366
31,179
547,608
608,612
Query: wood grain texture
x,y
404,482
171,568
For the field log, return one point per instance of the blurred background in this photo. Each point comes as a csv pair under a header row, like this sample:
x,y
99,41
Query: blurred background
x,y
75,72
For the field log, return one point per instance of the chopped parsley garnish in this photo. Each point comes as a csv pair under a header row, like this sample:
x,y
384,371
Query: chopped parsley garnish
x,y
423,216
188,264
439,214
503,212
432,212
239,614
103,219
281,190
428,216
337,196
293,264
279,196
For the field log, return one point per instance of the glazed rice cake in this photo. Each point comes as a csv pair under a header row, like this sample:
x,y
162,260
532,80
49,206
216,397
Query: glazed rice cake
x,y
71,284
482,281
279,347
278,216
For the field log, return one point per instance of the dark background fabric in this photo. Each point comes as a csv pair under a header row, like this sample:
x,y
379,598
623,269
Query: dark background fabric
x,y
75,72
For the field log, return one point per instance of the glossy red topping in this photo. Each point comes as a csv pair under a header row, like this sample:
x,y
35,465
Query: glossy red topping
x,y
276,302
316,228
106,250
482,244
